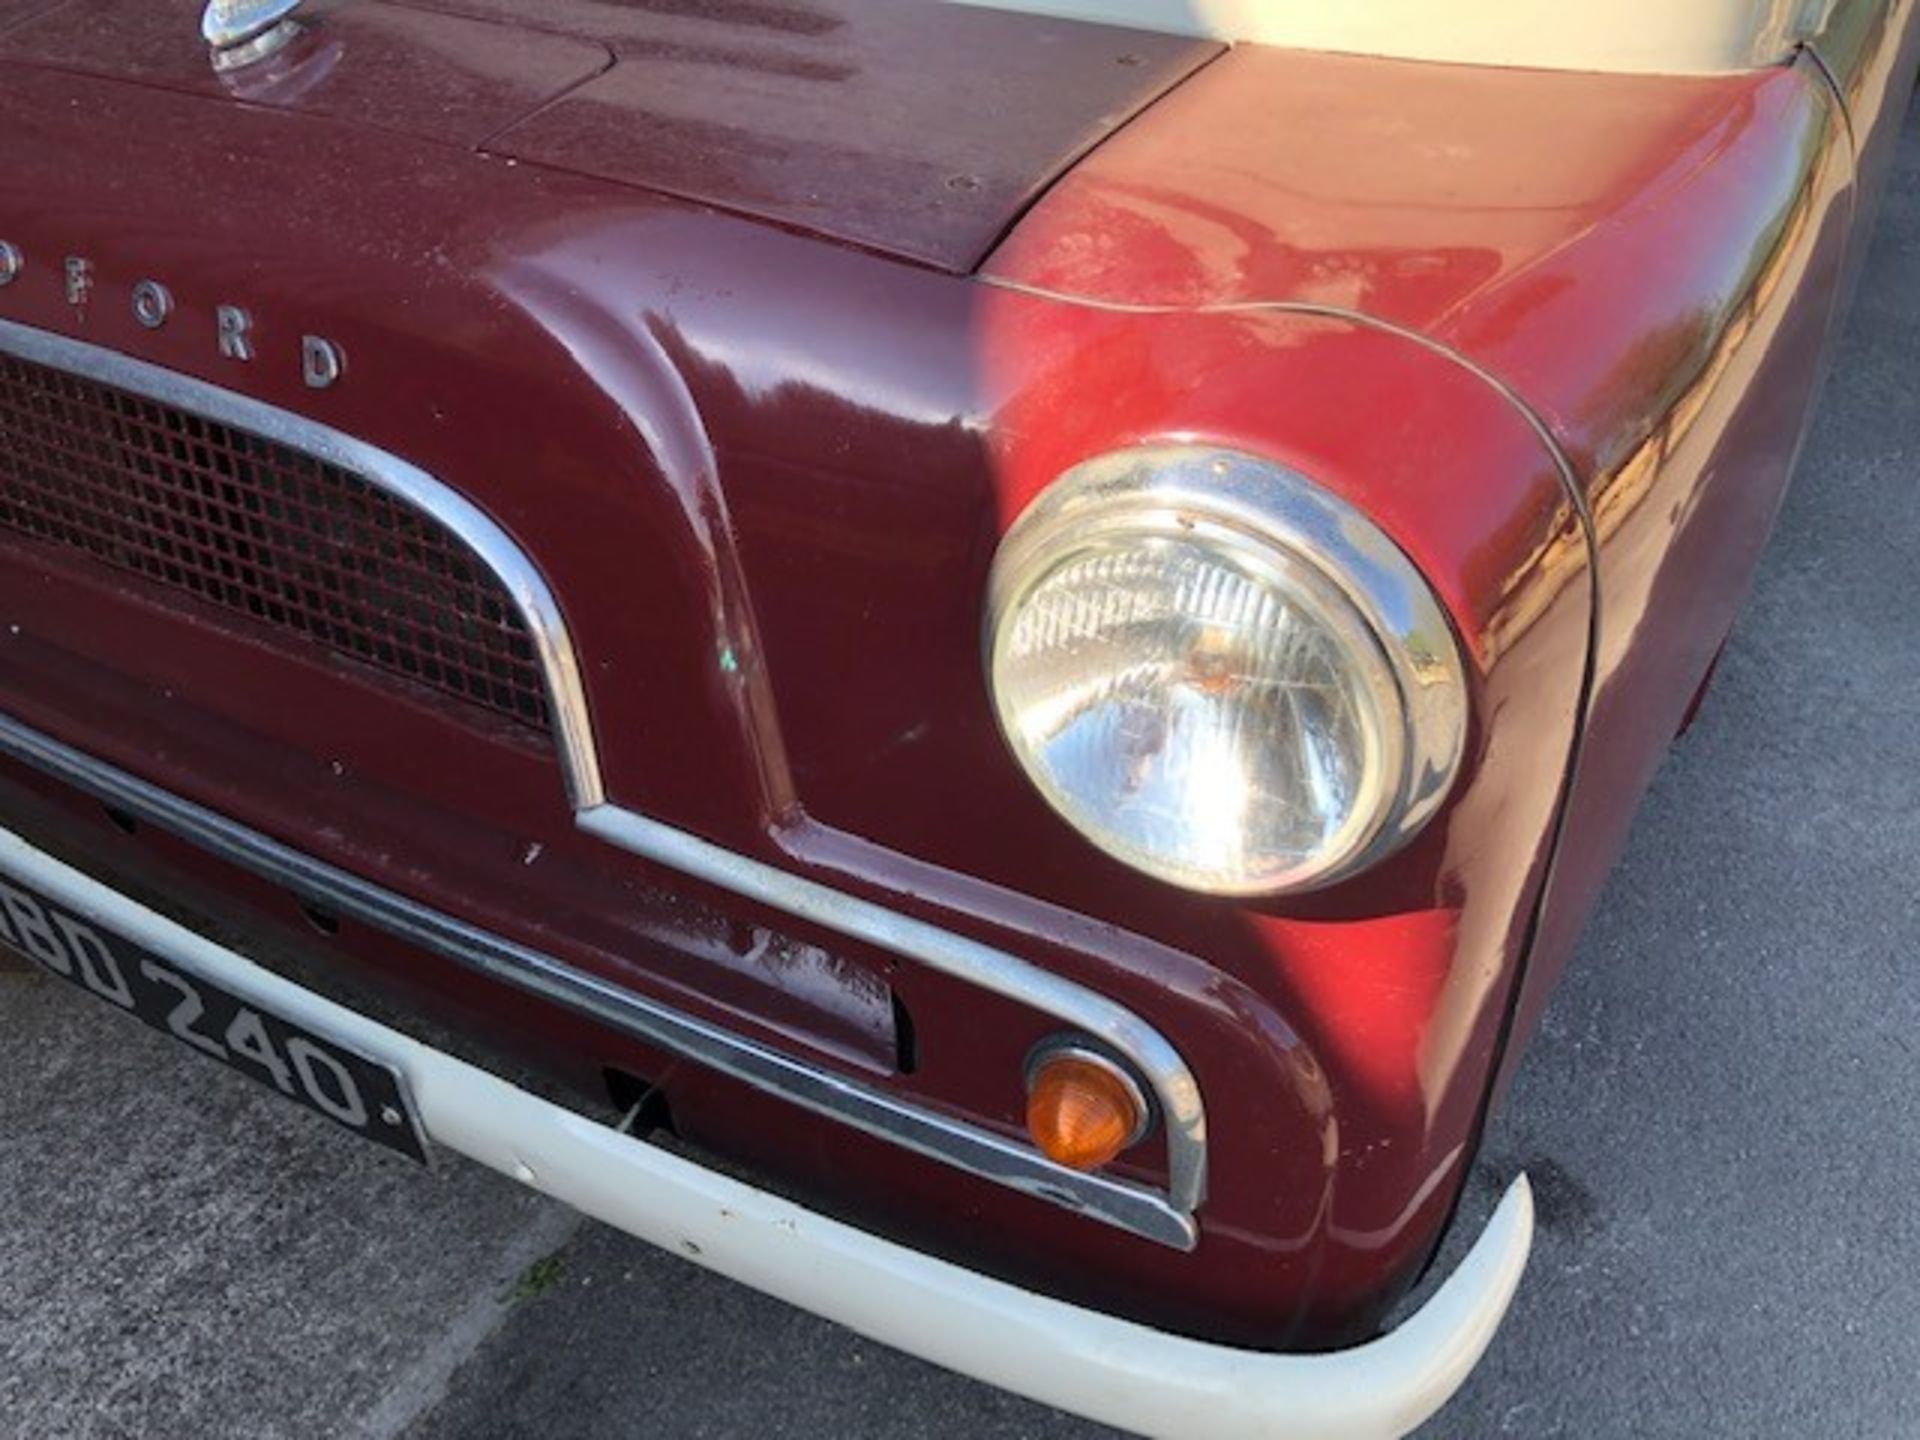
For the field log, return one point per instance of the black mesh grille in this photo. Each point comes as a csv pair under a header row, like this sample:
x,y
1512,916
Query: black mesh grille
x,y
243,522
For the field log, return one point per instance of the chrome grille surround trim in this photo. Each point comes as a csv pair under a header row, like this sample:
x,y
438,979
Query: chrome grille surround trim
x,y
525,586
1140,1210
1166,1218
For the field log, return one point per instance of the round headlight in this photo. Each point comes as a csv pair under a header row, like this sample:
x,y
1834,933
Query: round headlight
x,y
1220,674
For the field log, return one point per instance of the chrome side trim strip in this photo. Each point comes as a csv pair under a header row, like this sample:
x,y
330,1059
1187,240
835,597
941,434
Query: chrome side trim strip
x,y
1142,1211
572,724
1181,1111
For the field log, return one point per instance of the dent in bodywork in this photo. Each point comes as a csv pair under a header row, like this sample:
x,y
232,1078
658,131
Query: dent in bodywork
x,y
629,358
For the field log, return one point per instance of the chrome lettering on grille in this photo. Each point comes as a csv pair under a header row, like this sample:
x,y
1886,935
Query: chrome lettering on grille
x,y
79,280
152,303
321,362
235,327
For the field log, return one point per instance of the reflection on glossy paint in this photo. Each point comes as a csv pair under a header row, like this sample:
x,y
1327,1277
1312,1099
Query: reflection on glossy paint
x,y
289,75
1641,260
672,406
1452,192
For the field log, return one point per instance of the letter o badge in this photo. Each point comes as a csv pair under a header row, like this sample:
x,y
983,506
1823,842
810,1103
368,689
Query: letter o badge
x,y
152,304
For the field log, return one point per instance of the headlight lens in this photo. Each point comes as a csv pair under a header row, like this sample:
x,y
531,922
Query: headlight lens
x,y
1219,674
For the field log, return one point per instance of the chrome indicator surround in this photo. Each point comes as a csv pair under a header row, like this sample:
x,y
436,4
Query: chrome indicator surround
x,y
540,612
1142,1211
1166,1218
1075,1047
1243,504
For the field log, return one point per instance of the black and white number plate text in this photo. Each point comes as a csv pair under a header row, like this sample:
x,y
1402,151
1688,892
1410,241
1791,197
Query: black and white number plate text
x,y
364,1095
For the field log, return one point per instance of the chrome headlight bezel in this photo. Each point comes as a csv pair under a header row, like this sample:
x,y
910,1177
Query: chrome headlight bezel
x,y
1267,520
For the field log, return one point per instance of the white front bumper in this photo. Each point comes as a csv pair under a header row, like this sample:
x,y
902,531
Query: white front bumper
x,y
1092,1364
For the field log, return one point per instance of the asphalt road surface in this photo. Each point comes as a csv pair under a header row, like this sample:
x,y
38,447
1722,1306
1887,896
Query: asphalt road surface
x,y
1720,1116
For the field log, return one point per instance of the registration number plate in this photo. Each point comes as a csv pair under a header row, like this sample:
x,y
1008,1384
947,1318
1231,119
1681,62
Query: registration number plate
x,y
353,1090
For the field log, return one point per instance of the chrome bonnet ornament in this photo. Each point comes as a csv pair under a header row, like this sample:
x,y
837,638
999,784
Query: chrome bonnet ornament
x,y
240,32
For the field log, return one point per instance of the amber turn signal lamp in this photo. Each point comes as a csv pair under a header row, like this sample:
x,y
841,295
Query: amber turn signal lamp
x,y
1082,1108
